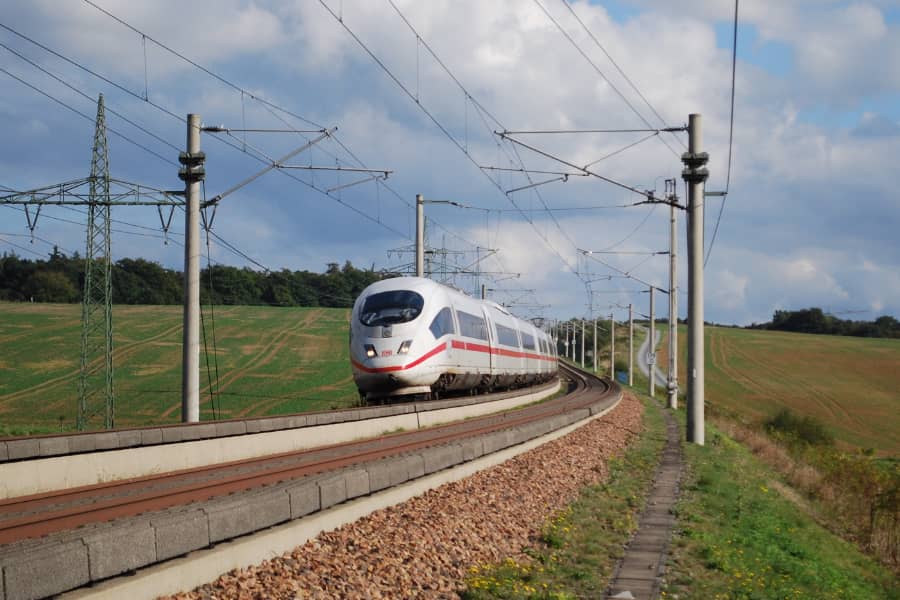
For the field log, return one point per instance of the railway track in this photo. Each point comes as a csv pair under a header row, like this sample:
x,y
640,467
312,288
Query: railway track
x,y
50,519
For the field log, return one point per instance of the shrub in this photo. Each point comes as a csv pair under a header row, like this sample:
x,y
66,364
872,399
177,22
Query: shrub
x,y
807,430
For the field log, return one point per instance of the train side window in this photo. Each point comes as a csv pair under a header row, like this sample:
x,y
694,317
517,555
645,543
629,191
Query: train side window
x,y
527,341
442,324
471,326
506,336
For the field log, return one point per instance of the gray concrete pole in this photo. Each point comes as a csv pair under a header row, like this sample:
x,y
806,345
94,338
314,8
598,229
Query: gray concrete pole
x,y
673,312
612,347
595,345
582,343
694,174
651,348
630,344
420,236
190,364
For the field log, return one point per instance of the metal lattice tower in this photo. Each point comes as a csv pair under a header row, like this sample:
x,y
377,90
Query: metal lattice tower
x,y
96,396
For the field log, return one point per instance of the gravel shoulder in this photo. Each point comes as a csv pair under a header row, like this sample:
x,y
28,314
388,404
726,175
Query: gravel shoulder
x,y
423,548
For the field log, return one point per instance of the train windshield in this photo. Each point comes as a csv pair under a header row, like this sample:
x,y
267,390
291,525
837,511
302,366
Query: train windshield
x,y
387,308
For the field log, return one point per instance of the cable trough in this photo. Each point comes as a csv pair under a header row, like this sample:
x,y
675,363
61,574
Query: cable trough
x,y
95,532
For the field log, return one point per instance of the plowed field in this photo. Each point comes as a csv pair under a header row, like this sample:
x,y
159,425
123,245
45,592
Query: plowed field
x,y
270,361
850,384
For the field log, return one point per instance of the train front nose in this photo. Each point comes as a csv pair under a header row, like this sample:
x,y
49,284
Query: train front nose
x,y
376,357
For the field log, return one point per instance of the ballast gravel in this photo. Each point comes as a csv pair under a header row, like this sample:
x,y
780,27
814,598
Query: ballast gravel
x,y
423,548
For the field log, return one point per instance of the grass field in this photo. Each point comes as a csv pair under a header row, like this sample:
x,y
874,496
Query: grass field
x,y
852,385
270,361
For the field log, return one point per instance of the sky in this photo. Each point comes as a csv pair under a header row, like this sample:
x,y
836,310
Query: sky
x,y
421,90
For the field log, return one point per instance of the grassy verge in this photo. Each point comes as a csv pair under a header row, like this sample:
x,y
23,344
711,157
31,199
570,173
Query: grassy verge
x,y
740,536
579,547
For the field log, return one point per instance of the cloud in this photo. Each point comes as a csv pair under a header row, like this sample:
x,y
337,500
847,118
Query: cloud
x,y
811,194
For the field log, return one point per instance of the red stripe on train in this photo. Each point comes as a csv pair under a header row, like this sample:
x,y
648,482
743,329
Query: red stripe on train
x,y
458,345
436,350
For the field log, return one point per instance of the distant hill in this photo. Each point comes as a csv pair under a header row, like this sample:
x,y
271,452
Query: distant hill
x,y
814,320
60,278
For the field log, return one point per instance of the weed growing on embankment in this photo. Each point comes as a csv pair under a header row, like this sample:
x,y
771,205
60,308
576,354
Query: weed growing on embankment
x,y
853,494
739,536
579,547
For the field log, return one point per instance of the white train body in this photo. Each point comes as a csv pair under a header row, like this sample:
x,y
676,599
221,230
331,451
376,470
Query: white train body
x,y
411,335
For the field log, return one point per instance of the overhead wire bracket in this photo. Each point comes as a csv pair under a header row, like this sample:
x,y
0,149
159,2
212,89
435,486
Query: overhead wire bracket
x,y
564,179
165,222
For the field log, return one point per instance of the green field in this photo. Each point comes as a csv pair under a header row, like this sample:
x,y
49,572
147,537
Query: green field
x,y
850,384
270,361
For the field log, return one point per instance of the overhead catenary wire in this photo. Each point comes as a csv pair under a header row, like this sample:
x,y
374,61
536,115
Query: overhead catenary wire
x,y
425,110
481,109
88,117
181,119
616,65
730,135
83,94
600,72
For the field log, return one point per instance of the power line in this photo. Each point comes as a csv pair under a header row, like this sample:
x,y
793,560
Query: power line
x,y
730,136
89,118
201,67
91,72
425,110
78,91
19,246
600,72
615,64
179,118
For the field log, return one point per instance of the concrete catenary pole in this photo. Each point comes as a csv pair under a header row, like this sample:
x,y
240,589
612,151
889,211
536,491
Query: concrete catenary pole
x,y
582,343
673,310
695,174
651,348
595,345
612,346
420,236
631,344
192,173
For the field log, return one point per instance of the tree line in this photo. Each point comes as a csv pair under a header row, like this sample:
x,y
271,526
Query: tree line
x,y
60,278
814,320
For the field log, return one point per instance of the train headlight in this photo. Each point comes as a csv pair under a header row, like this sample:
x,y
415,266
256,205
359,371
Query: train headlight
x,y
370,351
404,347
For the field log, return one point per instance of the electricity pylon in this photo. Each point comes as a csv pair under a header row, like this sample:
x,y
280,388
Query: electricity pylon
x,y
96,393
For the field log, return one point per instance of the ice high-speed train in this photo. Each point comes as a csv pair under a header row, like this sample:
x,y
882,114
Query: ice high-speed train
x,y
411,335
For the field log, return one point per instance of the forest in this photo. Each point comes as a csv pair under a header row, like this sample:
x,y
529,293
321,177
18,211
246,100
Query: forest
x,y
60,278
815,320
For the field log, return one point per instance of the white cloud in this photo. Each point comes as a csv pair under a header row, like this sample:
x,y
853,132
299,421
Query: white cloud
x,y
809,197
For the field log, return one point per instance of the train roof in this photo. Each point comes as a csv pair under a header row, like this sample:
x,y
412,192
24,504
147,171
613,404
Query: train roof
x,y
424,285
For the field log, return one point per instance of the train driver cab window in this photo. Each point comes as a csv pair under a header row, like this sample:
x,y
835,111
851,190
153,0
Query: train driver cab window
x,y
443,323
389,308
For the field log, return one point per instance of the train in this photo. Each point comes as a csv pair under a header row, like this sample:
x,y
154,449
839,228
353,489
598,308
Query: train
x,y
414,337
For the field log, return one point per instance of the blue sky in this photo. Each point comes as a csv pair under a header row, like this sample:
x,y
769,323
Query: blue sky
x,y
811,218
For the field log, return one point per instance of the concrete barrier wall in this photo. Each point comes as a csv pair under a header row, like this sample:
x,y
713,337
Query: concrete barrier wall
x,y
14,449
61,562
170,449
